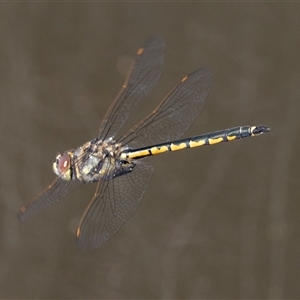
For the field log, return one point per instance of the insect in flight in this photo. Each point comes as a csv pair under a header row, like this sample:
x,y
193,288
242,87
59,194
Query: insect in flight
x,y
116,162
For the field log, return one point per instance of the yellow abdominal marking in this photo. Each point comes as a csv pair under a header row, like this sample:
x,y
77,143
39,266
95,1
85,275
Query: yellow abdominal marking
x,y
231,138
175,147
156,150
143,153
215,141
135,154
78,232
197,143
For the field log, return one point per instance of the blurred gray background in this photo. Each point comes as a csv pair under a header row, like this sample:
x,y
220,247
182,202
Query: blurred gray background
x,y
216,222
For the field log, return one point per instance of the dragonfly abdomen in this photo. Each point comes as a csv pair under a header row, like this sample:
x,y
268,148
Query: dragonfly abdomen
x,y
211,138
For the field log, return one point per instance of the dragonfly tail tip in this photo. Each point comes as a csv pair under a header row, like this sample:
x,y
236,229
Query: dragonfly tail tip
x,y
261,129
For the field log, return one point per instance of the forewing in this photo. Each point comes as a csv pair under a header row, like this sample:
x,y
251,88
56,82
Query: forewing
x,y
175,114
113,203
53,193
142,77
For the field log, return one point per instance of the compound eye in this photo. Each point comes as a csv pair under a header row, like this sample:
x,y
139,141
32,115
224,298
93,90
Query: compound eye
x,y
64,163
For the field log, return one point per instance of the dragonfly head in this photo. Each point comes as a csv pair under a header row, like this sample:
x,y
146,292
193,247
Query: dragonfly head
x,y
62,166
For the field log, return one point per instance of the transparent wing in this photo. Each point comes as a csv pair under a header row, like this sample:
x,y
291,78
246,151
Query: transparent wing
x,y
142,77
113,203
56,190
175,114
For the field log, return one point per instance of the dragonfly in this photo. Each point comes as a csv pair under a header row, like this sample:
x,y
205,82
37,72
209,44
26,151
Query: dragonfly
x,y
115,163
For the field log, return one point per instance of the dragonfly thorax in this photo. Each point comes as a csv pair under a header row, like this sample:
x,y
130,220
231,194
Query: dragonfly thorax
x,y
95,160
